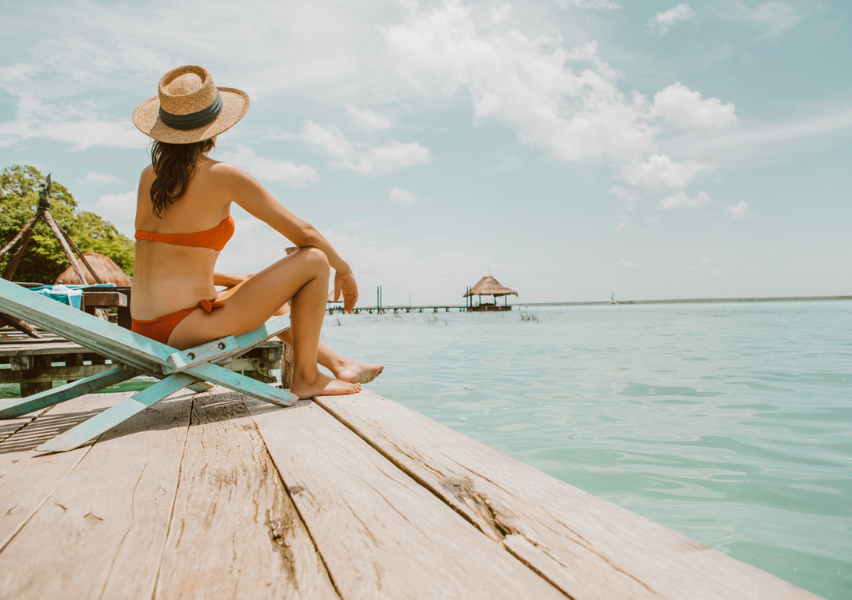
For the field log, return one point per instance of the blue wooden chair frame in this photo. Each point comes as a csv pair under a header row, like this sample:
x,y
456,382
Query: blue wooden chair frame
x,y
133,355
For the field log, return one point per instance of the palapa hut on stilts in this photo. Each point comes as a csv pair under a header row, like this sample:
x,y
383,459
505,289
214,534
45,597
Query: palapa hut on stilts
x,y
107,270
488,286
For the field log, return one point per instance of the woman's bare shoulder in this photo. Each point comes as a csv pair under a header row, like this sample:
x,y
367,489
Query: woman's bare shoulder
x,y
227,174
147,175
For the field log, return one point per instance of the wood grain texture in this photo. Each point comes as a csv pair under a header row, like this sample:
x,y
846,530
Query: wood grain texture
x,y
584,545
235,533
101,533
27,478
381,534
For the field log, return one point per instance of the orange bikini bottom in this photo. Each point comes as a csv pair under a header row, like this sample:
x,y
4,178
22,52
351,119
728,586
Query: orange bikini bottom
x,y
160,329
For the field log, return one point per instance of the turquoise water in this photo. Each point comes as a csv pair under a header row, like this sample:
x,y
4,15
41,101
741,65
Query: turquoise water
x,y
730,423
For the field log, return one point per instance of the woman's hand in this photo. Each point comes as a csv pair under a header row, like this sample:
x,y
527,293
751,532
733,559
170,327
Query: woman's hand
x,y
345,282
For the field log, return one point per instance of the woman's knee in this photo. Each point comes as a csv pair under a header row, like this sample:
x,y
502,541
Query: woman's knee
x,y
317,260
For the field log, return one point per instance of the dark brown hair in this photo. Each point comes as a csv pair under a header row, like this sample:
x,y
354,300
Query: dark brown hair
x,y
174,165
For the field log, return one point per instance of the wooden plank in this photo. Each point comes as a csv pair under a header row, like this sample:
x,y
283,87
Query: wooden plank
x,y
22,406
235,532
119,413
381,534
101,533
10,426
52,374
241,383
104,299
26,480
39,347
586,546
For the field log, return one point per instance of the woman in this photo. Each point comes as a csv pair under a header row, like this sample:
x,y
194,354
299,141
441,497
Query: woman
x,y
183,221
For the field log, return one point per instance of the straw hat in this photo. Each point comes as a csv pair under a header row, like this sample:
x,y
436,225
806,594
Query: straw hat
x,y
189,108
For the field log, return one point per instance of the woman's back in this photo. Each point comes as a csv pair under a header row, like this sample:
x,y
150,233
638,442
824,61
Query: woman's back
x,y
169,277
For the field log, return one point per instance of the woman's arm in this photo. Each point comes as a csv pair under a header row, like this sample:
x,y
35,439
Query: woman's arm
x,y
230,280
250,195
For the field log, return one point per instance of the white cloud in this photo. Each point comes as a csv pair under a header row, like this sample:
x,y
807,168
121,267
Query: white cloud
x,y
377,159
757,141
663,20
740,211
661,173
98,178
367,119
563,101
772,17
624,224
120,210
590,4
392,156
35,120
681,200
630,198
625,263
402,196
326,139
285,171
684,108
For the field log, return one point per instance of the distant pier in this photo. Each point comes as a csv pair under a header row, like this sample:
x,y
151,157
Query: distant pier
x,y
407,309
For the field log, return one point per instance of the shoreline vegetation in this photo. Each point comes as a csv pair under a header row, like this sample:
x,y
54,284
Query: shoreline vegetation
x,y
692,301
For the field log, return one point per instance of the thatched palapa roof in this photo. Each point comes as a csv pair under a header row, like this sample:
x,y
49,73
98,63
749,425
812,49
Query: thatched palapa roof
x,y
107,270
339,296
488,286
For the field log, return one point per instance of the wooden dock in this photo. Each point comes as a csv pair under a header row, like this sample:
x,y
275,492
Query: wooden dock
x,y
35,363
216,495
399,309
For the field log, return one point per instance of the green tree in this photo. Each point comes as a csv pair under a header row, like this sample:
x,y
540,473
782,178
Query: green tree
x,y
44,260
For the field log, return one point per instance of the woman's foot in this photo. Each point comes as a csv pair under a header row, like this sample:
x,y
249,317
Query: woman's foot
x,y
317,384
356,372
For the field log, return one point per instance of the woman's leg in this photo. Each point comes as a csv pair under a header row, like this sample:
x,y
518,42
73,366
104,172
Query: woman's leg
x,y
343,368
301,278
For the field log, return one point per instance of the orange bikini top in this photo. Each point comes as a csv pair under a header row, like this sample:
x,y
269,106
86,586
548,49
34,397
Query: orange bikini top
x,y
215,238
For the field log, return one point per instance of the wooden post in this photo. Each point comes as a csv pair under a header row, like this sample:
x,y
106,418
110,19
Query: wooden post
x,y
19,325
15,239
32,362
288,365
27,234
80,254
73,360
65,248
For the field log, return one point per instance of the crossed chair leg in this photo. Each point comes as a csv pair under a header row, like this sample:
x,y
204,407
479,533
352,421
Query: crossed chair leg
x,y
79,435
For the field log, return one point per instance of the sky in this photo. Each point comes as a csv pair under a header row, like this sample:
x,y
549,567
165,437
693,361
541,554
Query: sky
x,y
571,148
